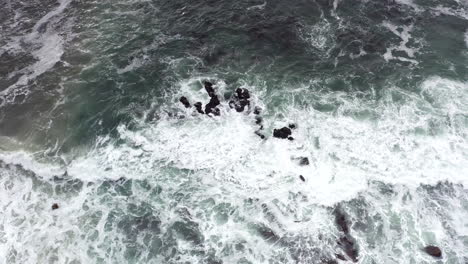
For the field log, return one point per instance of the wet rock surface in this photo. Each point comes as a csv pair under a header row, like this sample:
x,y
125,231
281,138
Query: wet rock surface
x,y
433,251
304,161
185,101
284,133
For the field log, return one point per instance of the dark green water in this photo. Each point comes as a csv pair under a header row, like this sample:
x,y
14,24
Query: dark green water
x,y
90,119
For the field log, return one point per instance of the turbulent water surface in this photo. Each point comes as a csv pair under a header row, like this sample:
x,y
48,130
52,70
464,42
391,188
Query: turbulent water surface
x,y
90,119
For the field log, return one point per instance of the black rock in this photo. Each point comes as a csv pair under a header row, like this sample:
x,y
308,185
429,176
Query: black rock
x,y
242,93
292,126
55,206
433,251
284,132
257,110
304,161
240,100
184,101
198,106
211,106
209,88
290,138
302,178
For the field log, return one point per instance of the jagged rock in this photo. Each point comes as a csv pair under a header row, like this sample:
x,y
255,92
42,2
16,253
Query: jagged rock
x,y
433,251
209,88
55,206
302,178
240,100
284,132
211,106
185,101
304,161
198,106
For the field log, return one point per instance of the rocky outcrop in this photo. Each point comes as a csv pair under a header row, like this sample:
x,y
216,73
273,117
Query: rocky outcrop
x,y
284,132
185,101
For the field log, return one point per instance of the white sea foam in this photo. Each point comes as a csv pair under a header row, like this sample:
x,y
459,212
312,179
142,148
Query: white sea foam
x,y
405,37
398,148
203,164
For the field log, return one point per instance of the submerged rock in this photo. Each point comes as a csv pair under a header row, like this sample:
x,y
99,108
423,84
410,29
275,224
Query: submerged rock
x,y
284,132
258,120
185,101
267,233
339,256
346,242
341,222
257,110
433,251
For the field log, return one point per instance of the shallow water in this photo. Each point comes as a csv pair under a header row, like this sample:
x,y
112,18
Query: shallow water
x,y
90,120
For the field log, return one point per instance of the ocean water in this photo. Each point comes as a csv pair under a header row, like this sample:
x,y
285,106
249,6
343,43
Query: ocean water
x,y
90,120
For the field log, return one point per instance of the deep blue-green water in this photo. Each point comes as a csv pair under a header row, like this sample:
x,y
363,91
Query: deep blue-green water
x,y
90,120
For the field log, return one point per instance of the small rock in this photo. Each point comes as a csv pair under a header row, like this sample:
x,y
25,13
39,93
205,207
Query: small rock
x,y
339,256
258,120
292,126
284,132
302,178
257,110
259,134
55,206
290,138
433,251
304,161
185,101
198,106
